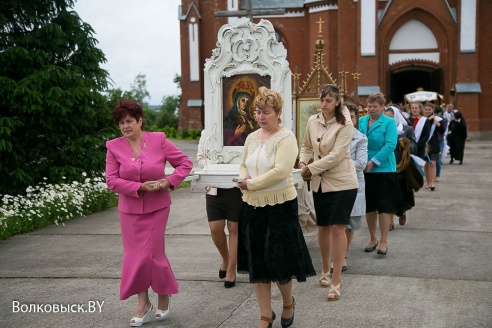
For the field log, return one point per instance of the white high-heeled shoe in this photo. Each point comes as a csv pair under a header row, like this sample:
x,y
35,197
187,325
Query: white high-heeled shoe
x,y
137,322
162,314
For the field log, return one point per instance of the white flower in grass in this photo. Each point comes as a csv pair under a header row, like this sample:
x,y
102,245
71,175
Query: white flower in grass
x,y
84,174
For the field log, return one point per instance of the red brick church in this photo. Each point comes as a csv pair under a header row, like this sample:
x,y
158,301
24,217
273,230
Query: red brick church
x,y
397,46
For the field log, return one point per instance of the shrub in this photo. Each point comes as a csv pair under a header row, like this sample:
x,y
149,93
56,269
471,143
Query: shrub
x,y
172,133
46,204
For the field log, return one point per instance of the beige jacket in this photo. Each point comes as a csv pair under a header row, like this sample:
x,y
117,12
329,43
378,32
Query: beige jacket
x,y
328,143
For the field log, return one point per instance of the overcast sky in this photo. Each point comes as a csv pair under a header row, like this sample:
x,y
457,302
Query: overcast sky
x,y
137,36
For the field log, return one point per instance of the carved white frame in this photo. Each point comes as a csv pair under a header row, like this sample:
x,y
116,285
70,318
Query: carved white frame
x,y
243,48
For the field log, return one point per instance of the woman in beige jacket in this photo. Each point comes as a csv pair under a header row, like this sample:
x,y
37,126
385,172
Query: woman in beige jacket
x,y
333,180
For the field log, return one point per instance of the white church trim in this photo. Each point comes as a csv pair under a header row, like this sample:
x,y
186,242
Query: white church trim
x,y
368,28
193,44
468,25
427,56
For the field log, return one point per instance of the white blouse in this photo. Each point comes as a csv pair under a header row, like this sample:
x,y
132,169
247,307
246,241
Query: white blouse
x,y
269,163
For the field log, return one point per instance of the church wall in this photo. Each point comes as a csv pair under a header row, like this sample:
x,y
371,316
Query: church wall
x,y
484,36
348,44
341,33
467,72
295,37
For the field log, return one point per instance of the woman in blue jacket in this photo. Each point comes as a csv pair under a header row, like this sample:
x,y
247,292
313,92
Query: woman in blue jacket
x,y
383,196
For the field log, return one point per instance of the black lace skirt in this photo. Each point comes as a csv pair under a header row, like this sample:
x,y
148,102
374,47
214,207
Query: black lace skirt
x,y
271,246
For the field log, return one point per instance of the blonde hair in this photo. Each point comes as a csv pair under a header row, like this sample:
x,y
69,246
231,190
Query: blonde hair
x,y
269,97
377,97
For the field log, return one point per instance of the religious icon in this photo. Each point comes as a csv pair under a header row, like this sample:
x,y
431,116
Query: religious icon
x,y
239,117
307,108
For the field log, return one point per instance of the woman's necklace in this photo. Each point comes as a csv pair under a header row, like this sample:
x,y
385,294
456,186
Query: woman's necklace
x,y
136,147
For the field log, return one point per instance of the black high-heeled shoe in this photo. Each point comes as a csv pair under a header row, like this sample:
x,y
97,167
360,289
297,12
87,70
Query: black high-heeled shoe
x,y
372,248
287,322
229,284
269,320
222,274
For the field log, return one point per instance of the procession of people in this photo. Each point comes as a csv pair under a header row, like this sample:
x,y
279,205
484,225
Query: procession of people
x,y
357,165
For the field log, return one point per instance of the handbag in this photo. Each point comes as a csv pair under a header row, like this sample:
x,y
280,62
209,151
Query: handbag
x,y
414,175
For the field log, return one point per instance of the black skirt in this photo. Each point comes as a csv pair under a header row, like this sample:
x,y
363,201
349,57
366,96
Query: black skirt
x,y
271,246
226,205
406,193
334,207
383,193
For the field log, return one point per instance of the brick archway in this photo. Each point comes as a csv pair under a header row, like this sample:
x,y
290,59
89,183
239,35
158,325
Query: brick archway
x,y
407,77
445,42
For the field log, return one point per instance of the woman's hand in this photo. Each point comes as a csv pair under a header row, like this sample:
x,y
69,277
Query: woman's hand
x,y
305,172
369,167
242,185
163,184
149,186
152,186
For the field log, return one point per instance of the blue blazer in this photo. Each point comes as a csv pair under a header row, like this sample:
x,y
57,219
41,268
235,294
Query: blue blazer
x,y
382,139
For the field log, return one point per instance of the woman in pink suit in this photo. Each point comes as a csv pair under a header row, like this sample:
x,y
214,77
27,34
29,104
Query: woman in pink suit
x,y
135,166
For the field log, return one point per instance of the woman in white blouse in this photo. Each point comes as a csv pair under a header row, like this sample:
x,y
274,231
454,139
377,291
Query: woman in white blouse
x,y
271,246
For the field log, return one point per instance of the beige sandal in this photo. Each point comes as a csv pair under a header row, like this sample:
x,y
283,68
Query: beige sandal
x,y
324,279
334,293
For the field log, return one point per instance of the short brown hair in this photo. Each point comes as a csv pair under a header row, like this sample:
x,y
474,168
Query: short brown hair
x,y
127,107
352,108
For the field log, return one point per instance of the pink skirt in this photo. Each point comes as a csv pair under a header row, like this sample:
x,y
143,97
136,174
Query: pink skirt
x,y
145,263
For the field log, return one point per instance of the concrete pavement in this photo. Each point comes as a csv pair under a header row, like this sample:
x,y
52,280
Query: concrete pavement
x,y
438,271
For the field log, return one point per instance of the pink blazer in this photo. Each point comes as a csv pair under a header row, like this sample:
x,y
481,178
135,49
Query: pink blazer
x,y
125,173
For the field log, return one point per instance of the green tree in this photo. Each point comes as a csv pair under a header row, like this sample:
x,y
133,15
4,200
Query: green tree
x,y
177,81
150,118
168,115
138,91
54,121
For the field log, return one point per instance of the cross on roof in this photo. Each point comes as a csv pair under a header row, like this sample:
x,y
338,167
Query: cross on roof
x,y
320,22
249,12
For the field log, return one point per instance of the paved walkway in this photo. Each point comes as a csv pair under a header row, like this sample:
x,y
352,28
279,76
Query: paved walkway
x,y
438,271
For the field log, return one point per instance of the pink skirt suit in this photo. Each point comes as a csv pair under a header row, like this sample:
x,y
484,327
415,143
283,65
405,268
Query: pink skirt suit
x,y
144,215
